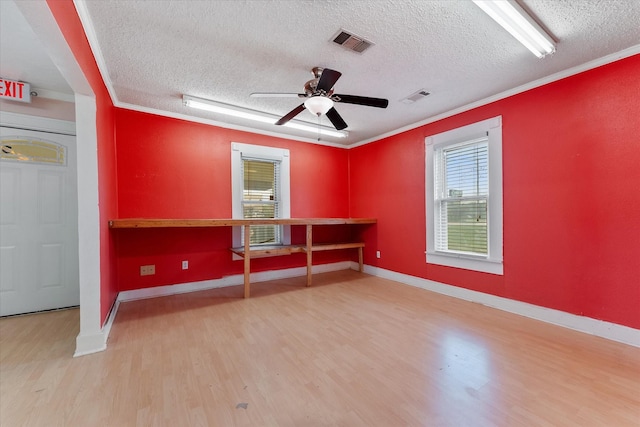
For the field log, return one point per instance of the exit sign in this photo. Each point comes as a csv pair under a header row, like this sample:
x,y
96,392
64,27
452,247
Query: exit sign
x,y
15,91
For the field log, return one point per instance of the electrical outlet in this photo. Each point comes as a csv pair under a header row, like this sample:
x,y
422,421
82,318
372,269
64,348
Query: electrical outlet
x,y
185,265
147,270
377,254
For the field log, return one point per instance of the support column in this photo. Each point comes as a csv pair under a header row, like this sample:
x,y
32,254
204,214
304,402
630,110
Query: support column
x,y
247,260
309,256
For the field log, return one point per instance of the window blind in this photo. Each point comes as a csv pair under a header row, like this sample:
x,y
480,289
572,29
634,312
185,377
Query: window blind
x,y
260,198
461,174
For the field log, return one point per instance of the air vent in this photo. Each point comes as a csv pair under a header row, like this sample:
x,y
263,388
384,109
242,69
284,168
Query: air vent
x,y
351,41
416,96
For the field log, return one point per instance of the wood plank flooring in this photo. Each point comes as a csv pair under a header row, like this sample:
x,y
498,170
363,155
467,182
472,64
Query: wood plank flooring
x,y
352,350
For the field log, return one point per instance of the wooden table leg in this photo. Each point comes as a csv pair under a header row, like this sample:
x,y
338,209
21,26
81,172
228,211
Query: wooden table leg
x,y
360,259
309,256
247,261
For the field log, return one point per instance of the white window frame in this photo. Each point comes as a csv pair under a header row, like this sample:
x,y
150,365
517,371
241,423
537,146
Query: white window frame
x,y
492,262
259,152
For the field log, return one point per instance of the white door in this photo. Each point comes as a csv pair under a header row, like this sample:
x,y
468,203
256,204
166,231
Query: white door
x,y
38,222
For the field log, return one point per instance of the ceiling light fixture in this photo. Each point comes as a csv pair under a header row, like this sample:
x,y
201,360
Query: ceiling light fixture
x,y
318,105
230,110
513,18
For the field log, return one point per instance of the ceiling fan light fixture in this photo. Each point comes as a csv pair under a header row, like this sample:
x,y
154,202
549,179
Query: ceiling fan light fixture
x,y
318,105
513,18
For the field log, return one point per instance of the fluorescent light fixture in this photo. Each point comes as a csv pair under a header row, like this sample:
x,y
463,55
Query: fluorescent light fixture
x,y
258,116
323,130
513,18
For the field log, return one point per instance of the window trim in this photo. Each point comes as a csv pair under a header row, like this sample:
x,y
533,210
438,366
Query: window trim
x,y
259,152
493,262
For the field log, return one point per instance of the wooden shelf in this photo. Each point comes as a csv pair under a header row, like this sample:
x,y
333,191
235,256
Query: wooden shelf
x,y
264,251
276,250
334,246
248,252
228,222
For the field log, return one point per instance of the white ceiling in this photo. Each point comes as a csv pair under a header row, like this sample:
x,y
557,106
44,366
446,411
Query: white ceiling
x,y
23,56
153,52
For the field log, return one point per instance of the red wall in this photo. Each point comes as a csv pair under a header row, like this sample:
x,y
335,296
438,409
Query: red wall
x,y
65,15
571,165
571,200
169,168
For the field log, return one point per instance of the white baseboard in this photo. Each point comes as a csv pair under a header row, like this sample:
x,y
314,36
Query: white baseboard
x,y
89,344
94,343
238,279
600,328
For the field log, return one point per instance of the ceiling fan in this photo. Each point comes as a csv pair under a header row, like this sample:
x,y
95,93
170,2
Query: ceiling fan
x,y
320,98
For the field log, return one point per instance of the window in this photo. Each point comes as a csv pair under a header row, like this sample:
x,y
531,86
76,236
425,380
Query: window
x,y
32,150
461,182
464,197
260,189
261,198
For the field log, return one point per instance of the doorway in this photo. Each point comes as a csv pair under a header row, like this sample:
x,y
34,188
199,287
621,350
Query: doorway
x,y
38,221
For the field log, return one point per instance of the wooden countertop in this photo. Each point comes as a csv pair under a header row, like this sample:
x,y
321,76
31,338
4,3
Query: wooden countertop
x,y
228,222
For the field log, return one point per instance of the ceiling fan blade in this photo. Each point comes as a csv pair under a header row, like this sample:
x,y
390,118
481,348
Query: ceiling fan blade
x,y
291,114
327,79
336,119
361,100
277,95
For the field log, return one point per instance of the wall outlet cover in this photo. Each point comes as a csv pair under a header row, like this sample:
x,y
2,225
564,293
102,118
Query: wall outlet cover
x,y
147,270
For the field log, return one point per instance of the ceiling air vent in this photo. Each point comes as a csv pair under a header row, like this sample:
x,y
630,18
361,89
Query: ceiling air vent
x,y
416,96
351,41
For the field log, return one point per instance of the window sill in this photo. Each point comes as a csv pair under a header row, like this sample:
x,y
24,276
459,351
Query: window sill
x,y
467,263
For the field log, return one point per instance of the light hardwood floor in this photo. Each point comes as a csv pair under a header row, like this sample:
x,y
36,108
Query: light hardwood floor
x,y
353,350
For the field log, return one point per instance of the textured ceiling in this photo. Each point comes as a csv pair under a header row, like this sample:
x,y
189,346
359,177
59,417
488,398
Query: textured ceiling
x,y
154,51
